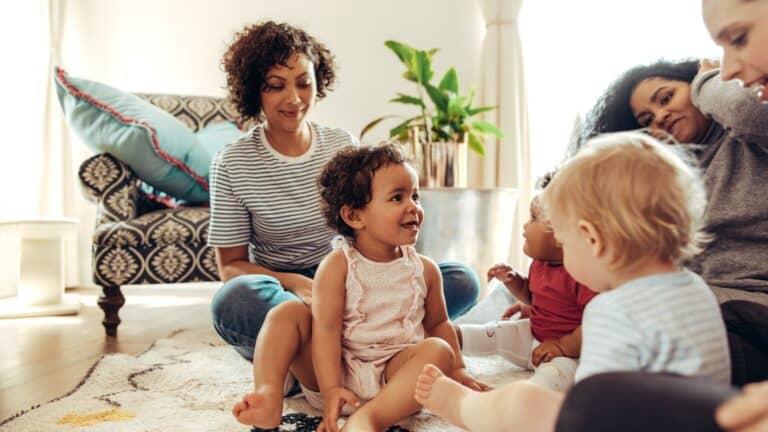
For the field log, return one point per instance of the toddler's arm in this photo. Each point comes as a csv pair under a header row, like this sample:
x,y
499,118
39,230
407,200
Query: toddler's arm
x,y
328,298
437,324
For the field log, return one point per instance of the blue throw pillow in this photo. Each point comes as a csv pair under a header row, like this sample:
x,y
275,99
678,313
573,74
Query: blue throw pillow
x,y
160,149
212,138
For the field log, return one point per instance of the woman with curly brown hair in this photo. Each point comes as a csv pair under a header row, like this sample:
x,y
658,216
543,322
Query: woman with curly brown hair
x,y
266,224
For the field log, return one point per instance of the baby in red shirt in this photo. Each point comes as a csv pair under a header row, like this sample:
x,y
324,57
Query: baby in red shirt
x,y
542,332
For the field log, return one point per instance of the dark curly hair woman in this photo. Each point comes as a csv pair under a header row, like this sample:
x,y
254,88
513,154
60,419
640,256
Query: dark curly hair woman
x,y
259,48
265,224
265,220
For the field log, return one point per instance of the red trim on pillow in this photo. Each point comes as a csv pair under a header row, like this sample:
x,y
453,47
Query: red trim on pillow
x,y
61,75
171,204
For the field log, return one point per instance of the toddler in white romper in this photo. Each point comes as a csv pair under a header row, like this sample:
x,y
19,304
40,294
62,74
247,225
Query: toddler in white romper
x,y
383,315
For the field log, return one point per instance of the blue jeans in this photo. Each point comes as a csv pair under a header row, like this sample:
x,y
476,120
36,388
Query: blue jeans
x,y
240,306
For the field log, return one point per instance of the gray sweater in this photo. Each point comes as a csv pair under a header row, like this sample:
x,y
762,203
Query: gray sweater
x,y
734,161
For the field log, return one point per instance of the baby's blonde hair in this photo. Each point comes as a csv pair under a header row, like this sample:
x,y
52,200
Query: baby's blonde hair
x,y
642,196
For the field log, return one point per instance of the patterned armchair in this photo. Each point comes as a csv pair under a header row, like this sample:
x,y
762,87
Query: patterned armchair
x,y
137,240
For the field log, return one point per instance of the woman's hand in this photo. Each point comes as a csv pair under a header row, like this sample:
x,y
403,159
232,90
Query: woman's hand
x,y
746,412
333,400
461,376
300,285
524,309
708,65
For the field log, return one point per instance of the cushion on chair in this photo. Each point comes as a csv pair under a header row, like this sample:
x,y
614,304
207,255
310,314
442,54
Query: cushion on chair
x,y
159,148
165,246
156,229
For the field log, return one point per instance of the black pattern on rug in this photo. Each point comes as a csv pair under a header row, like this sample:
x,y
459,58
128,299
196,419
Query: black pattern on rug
x,y
300,422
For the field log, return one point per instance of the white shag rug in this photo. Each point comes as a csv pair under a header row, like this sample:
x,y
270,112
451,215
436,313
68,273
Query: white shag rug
x,y
189,382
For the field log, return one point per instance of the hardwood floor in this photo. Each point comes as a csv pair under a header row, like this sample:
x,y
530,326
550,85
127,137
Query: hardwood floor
x,y
46,357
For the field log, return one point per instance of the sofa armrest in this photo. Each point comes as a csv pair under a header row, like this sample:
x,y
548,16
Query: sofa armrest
x,y
112,185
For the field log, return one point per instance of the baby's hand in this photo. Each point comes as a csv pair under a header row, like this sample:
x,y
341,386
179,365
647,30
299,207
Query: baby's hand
x,y
333,400
524,309
546,352
506,275
462,376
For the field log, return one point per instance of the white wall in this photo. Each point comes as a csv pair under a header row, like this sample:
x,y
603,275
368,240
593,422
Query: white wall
x,y
175,46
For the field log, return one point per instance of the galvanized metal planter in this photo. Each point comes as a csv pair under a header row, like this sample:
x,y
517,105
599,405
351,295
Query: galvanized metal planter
x,y
473,226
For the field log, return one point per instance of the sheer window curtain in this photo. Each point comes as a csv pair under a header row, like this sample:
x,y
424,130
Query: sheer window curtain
x,y
507,160
574,50
39,169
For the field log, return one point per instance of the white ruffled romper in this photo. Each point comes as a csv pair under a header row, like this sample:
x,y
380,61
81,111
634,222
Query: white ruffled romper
x,y
383,315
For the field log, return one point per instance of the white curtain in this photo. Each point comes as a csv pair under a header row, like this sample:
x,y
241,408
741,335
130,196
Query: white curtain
x,y
507,161
38,170
60,195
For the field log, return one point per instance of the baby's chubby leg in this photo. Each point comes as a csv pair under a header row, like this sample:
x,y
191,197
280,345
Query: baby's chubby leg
x,y
517,406
284,342
395,401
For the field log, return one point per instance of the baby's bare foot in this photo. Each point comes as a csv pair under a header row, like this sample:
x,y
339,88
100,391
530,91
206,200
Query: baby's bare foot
x,y
262,408
440,394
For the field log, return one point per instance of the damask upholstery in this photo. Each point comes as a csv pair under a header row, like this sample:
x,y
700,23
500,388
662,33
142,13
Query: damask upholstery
x,y
138,240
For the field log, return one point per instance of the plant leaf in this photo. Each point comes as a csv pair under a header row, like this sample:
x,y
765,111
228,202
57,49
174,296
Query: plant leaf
x,y
404,52
450,81
422,67
471,97
439,98
487,128
478,110
476,144
456,106
407,99
372,124
397,130
410,76
444,133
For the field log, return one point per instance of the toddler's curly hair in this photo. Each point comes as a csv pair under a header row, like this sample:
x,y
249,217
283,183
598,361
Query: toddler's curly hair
x,y
258,48
347,178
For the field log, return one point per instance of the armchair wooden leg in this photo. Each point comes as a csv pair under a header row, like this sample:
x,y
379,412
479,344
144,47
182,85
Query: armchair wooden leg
x,y
111,302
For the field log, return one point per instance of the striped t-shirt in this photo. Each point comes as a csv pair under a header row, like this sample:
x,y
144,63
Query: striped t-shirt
x,y
270,201
662,323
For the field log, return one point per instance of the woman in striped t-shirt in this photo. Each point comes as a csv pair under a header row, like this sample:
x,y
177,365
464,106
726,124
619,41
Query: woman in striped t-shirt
x,y
266,224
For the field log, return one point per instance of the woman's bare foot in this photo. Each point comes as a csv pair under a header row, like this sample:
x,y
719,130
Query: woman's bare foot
x,y
440,394
262,408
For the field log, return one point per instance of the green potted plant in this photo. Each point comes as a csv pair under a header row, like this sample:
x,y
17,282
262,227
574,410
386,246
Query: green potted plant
x,y
443,127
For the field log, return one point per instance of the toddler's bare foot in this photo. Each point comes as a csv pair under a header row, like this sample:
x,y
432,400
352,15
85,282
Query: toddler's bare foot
x,y
262,408
440,394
